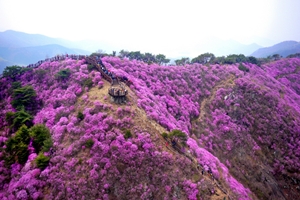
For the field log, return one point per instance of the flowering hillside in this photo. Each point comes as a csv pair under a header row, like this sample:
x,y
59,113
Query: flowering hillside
x,y
63,138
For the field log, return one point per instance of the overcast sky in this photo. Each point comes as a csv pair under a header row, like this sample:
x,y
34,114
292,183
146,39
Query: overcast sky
x,y
149,24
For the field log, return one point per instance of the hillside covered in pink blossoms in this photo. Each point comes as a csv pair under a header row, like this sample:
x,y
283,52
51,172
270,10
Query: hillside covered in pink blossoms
x,y
242,132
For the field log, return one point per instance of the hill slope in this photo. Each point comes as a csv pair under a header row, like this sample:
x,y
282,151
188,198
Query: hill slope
x,y
241,126
284,49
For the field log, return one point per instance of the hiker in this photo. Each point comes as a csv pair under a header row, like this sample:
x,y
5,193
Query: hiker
x,y
173,143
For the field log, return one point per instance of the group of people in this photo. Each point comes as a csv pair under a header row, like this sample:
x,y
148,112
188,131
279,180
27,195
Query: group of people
x,y
57,58
112,76
117,92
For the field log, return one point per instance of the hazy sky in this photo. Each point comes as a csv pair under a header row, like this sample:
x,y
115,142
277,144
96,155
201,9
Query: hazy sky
x,y
148,24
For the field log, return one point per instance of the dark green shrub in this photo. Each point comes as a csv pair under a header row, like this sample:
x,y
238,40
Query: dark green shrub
x,y
23,97
22,153
179,134
11,144
9,117
127,134
80,116
47,144
42,161
40,133
63,74
91,67
165,135
22,135
89,143
21,117
243,68
17,147
88,83
16,85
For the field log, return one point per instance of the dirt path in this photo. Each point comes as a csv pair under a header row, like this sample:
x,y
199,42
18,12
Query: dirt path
x,y
229,82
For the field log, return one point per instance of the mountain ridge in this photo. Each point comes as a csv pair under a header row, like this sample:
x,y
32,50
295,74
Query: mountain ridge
x,y
284,49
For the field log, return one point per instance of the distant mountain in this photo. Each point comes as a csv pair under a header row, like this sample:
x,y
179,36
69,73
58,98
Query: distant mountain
x,y
283,48
228,47
17,48
221,47
15,39
27,55
265,42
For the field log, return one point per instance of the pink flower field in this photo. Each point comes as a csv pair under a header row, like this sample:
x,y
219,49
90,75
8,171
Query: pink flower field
x,y
242,131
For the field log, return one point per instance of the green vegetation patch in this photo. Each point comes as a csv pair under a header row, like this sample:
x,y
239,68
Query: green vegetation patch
x,y
89,143
41,138
42,161
127,134
63,74
243,68
23,97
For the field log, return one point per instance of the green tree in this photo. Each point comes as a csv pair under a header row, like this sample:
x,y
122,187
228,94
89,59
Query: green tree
x,y
179,135
148,58
234,58
12,72
276,56
42,161
22,153
40,133
23,97
253,60
123,54
219,60
182,61
9,117
22,135
295,55
21,118
47,144
17,146
161,59
16,85
204,58
137,55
